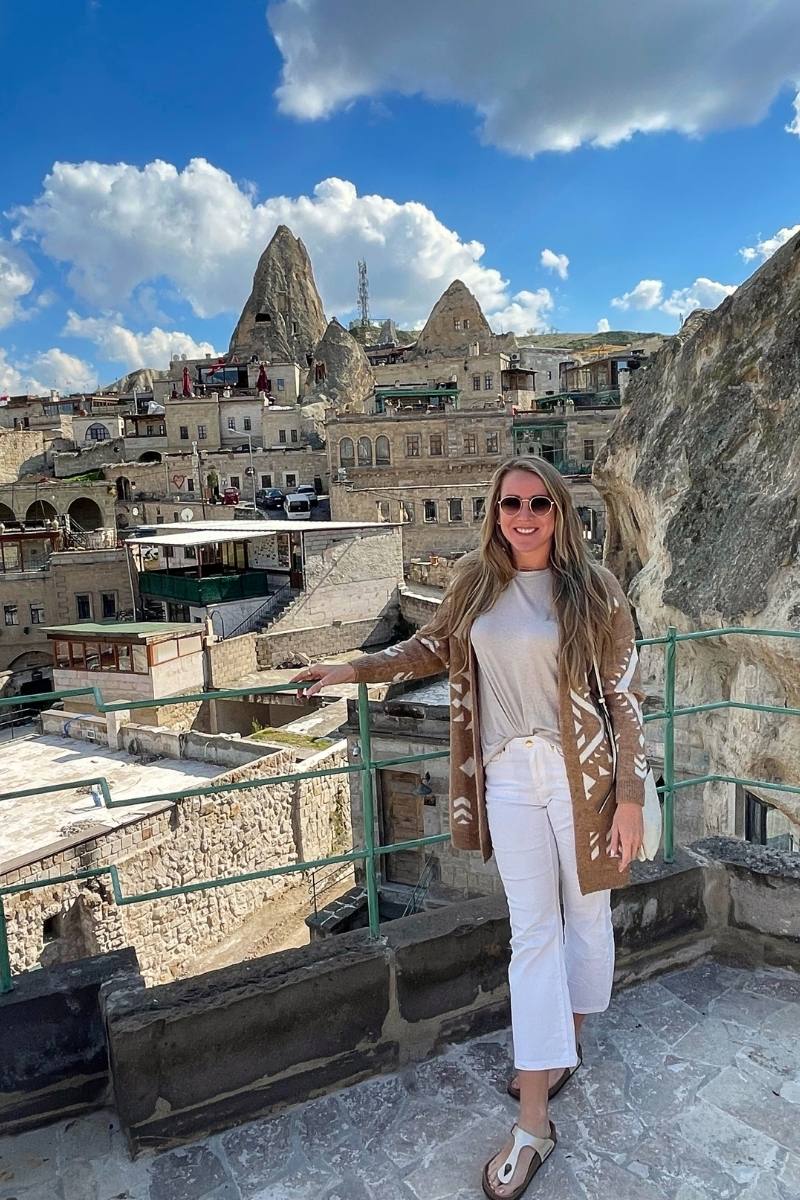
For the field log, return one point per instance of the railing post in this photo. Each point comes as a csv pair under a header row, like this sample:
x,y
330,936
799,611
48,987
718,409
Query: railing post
x,y
670,651
368,810
6,984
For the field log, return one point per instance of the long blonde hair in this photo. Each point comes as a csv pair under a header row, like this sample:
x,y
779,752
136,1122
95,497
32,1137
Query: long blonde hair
x,y
580,594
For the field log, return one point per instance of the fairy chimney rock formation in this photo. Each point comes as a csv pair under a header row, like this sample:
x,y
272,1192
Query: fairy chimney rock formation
x,y
456,323
700,475
340,372
283,319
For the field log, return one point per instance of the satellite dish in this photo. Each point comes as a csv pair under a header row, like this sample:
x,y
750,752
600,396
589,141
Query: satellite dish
x,y
135,511
187,514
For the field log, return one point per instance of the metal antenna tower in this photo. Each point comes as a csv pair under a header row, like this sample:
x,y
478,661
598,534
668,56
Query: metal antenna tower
x,y
363,293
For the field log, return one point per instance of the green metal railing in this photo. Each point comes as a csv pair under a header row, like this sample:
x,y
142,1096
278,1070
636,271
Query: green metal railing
x,y
209,589
366,768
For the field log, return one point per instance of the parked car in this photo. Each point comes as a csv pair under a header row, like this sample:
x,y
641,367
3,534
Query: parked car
x,y
230,495
297,507
271,497
307,489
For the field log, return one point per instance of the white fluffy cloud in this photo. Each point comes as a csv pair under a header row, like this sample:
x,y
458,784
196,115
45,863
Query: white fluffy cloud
x,y
767,246
555,262
119,227
525,313
53,368
115,343
603,325
16,281
642,68
649,294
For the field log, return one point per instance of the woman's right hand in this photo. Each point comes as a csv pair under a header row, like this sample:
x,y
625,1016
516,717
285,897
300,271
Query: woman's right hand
x,y
322,675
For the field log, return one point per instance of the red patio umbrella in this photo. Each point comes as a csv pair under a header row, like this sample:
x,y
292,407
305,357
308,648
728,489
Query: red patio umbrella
x,y
187,387
262,383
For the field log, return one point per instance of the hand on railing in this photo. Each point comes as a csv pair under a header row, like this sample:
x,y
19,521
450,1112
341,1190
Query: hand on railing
x,y
322,675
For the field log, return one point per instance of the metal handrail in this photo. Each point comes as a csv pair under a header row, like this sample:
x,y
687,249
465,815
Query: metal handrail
x,y
247,624
365,767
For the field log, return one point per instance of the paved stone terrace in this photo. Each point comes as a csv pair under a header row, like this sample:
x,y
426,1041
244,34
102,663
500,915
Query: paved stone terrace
x,y
690,1091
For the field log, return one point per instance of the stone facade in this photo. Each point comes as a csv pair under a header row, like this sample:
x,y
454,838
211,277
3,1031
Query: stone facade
x,y
90,504
193,419
23,452
194,839
49,597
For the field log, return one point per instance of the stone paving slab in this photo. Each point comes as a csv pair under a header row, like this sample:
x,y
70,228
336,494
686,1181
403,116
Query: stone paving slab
x,y
690,1090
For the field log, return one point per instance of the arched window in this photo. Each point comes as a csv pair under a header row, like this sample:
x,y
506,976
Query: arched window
x,y
383,454
347,454
96,433
364,452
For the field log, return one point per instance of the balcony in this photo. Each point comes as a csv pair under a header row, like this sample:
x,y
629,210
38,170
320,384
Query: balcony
x,y
209,589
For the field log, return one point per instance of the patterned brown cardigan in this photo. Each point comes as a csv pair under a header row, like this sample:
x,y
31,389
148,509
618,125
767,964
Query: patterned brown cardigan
x,y
586,752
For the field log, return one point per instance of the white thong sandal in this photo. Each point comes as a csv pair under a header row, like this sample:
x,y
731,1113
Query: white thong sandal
x,y
542,1147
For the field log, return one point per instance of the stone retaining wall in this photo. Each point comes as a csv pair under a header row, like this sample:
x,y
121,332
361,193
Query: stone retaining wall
x,y
317,641
195,839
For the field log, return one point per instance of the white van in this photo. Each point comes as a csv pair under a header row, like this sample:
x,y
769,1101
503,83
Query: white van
x,y
297,507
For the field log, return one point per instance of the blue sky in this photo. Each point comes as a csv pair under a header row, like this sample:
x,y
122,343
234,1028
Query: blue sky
x,y
461,139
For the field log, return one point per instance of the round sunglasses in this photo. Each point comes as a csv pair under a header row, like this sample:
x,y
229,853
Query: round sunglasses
x,y
540,506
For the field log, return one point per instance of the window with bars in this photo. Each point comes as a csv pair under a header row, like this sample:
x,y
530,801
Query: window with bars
x,y
429,514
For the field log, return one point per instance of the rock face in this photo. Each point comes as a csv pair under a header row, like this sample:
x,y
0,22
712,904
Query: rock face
x,y
456,323
701,475
141,380
340,375
283,318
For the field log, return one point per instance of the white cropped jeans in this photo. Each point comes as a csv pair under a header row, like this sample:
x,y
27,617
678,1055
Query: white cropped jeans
x,y
557,967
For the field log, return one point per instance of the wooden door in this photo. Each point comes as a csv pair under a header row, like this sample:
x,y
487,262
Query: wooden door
x,y
402,820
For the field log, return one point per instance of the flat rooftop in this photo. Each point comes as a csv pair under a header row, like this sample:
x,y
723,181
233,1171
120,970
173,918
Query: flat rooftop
x,y
30,824
688,1092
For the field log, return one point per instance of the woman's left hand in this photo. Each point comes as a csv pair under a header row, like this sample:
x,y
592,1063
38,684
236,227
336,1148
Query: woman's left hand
x,y
627,831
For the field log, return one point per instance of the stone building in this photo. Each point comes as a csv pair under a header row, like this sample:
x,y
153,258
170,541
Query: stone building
x,y
89,505
44,580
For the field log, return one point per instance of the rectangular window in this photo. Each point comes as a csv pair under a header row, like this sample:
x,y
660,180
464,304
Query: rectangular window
x,y
408,512
549,374
162,430
202,433
108,603
235,481
139,659
62,655
455,509
412,445
184,433
294,435
478,507
488,381
476,383
291,480
190,552
266,481
92,657
108,658
466,323
123,657
429,514
231,422
282,436
190,485
456,323
247,423
435,445
10,614
280,383
151,429
470,443
492,443
78,655
588,449
83,606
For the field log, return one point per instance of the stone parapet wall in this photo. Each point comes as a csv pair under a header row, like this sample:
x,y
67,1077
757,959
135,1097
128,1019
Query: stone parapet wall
x,y
231,659
194,839
317,641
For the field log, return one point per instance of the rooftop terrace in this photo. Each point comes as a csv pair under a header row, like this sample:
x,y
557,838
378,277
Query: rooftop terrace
x,y
689,1091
